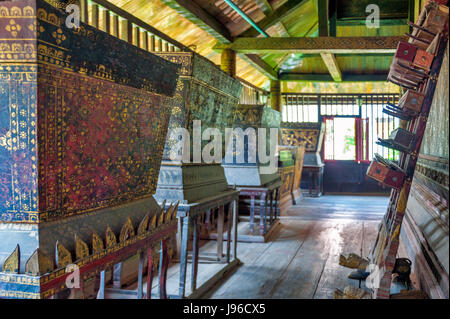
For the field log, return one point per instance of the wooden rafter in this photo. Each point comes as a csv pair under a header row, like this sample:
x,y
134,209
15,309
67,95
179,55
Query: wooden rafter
x,y
275,17
258,63
330,61
355,45
196,14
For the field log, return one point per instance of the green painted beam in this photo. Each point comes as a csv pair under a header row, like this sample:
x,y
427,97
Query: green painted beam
x,y
356,45
276,16
300,77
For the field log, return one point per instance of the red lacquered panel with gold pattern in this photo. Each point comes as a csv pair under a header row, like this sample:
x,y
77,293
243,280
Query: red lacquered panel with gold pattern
x,y
385,175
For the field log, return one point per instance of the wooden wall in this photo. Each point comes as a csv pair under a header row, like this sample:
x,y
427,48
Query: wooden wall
x,y
425,232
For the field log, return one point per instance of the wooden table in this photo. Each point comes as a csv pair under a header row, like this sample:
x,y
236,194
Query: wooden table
x,y
267,198
314,180
190,216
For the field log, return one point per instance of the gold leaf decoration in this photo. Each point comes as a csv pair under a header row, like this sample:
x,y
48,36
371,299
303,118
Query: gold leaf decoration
x,y
153,221
81,248
97,243
12,263
127,230
142,228
64,257
110,237
39,264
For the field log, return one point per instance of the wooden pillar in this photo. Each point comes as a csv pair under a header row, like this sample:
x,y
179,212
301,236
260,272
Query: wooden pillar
x,y
275,95
84,11
94,15
228,62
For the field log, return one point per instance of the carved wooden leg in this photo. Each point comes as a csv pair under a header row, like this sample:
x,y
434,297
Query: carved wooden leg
x,y
183,254
252,214
235,229
117,269
140,274
271,219
101,290
229,225
195,249
277,204
207,221
262,214
220,224
164,266
149,274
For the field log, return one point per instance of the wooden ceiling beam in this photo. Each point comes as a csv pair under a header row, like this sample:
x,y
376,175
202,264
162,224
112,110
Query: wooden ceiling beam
x,y
324,31
259,64
196,14
355,45
303,77
275,17
330,61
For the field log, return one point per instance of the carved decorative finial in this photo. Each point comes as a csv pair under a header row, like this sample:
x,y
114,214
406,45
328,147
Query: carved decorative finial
x,y
162,215
174,211
12,263
110,237
39,264
143,225
127,230
97,243
63,256
81,248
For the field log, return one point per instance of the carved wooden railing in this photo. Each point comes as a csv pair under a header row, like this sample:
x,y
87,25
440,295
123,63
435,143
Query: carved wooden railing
x,y
252,94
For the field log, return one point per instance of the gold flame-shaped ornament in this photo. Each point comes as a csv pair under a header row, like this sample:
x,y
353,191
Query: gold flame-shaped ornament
x,y
127,230
39,264
81,248
63,256
97,243
12,263
162,215
111,239
174,212
143,225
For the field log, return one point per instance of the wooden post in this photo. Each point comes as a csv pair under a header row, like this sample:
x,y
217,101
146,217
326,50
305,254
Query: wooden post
x,y
105,25
84,11
136,36
220,224
144,42
275,95
152,43
228,62
115,25
94,15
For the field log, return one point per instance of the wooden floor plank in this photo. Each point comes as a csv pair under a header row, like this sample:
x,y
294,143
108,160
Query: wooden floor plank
x,y
302,260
